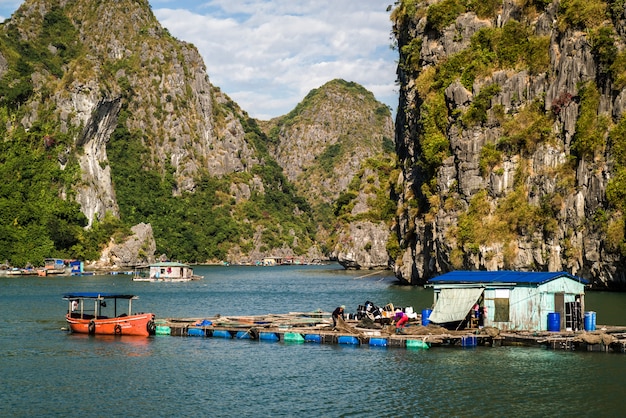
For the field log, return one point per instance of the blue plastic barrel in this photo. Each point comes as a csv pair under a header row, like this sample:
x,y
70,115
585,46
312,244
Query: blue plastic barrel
x,y
312,338
590,321
425,315
268,336
554,321
195,332
378,342
469,341
243,335
221,333
348,339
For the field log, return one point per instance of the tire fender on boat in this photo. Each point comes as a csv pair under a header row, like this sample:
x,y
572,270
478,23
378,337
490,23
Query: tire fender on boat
x,y
91,327
118,329
151,327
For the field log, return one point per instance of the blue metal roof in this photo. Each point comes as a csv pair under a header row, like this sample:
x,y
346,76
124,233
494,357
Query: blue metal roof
x,y
504,276
169,264
96,295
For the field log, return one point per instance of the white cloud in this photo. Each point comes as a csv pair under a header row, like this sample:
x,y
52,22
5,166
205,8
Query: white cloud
x,y
267,55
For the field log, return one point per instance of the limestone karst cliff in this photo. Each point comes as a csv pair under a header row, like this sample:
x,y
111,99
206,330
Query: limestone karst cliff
x,y
123,57
122,103
110,122
336,147
510,134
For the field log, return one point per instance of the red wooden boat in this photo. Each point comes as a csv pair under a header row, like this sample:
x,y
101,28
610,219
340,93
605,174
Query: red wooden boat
x,y
89,313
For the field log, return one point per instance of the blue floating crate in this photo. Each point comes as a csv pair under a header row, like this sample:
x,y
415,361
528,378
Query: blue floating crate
x,y
348,339
196,332
268,336
313,338
379,342
469,341
220,333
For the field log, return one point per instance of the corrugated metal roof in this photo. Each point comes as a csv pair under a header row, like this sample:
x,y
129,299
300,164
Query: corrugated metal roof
x,y
504,276
168,264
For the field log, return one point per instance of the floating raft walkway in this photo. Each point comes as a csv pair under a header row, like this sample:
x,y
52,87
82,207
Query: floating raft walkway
x,y
316,327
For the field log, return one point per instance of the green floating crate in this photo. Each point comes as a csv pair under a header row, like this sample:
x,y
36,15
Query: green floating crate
x,y
293,337
162,330
417,344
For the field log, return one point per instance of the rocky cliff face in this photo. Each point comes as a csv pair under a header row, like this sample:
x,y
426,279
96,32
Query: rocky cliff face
x,y
336,147
323,142
509,134
136,250
124,57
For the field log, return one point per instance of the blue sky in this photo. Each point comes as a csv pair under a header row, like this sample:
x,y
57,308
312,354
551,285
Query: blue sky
x,y
268,54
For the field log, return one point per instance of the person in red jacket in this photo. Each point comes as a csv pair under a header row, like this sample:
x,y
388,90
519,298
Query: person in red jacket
x,y
401,320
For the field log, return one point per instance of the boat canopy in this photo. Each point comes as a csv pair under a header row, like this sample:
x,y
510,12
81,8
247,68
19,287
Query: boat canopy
x,y
454,304
96,295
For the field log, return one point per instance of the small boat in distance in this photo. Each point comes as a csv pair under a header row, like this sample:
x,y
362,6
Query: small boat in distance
x,y
89,313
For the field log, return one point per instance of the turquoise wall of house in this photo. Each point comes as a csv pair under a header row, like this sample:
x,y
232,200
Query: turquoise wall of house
x,y
529,306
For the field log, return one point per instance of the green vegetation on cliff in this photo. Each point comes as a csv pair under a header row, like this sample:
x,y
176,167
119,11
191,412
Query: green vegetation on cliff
x,y
511,135
205,224
47,59
317,145
101,107
39,216
54,46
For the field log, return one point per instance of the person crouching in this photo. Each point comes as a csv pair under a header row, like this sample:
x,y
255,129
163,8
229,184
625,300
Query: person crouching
x,y
401,319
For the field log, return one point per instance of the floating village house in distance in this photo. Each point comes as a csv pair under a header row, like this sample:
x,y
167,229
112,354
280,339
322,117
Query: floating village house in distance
x,y
171,270
52,266
514,300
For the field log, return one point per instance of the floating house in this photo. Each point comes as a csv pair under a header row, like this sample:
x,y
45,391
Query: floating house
x,y
272,261
509,300
171,271
52,266
77,267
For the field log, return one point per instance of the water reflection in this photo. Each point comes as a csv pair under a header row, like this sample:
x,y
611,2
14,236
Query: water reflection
x,y
112,345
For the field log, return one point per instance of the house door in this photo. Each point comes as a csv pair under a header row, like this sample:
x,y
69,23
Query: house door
x,y
559,306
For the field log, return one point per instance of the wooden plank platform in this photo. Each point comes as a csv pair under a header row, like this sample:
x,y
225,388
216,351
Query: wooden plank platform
x,y
286,327
317,327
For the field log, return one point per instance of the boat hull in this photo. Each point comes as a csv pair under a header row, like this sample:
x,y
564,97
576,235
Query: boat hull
x,y
139,325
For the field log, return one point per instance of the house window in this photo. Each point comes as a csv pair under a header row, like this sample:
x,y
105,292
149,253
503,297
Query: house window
x,y
501,304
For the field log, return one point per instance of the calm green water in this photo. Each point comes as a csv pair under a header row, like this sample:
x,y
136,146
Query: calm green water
x,y
47,372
